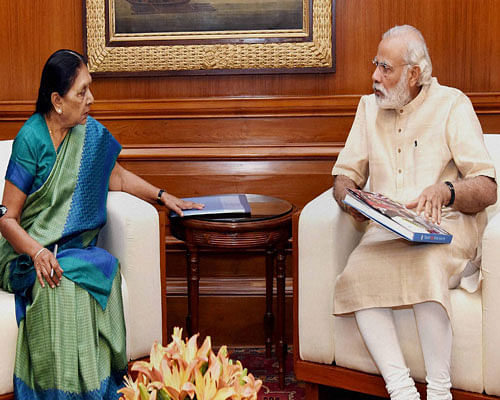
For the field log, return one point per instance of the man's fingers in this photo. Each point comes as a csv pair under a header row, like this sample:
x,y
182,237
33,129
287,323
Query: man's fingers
x,y
428,209
412,204
435,213
356,214
421,205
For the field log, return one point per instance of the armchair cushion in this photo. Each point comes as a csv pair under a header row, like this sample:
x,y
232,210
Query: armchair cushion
x,y
8,332
326,236
132,235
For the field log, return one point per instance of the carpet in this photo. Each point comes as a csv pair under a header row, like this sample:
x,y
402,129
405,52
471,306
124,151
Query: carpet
x,y
266,369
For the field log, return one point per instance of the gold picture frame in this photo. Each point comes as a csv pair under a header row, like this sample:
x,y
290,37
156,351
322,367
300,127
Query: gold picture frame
x,y
116,43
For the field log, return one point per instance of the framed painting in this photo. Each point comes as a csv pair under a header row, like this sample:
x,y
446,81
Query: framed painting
x,y
155,37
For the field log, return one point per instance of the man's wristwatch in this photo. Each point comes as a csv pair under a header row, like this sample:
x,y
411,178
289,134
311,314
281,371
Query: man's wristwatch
x,y
452,190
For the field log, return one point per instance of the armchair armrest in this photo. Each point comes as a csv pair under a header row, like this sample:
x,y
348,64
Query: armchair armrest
x,y
326,237
491,302
131,234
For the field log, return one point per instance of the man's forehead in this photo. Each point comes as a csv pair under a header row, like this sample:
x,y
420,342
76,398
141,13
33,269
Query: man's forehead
x,y
391,50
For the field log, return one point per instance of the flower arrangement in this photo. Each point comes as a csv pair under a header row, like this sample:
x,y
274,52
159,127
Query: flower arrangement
x,y
182,370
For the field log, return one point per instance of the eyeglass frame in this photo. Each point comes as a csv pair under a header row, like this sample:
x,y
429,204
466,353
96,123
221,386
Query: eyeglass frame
x,y
386,69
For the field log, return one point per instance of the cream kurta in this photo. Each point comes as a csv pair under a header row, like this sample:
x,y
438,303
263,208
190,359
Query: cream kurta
x,y
435,138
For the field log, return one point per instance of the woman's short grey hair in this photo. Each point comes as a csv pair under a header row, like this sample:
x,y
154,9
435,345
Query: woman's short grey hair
x,y
417,53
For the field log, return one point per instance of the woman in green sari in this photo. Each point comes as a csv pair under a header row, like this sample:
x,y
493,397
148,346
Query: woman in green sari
x,y
71,340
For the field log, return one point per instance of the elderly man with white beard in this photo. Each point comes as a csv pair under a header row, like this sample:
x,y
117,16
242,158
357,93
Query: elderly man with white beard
x,y
420,143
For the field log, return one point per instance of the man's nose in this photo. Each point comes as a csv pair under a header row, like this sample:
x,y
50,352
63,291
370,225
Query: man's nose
x,y
377,75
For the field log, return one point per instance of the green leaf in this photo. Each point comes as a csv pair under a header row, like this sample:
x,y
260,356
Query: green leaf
x,y
143,391
204,368
243,374
163,395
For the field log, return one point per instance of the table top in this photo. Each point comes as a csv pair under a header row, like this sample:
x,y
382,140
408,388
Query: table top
x,y
261,208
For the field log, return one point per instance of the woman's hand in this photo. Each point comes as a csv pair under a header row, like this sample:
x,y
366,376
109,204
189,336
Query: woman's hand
x,y
177,205
47,268
126,181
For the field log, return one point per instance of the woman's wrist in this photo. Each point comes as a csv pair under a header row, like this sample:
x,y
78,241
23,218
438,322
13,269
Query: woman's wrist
x,y
159,195
40,251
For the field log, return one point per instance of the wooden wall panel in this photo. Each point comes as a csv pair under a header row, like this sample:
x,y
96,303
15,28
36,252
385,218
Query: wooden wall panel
x,y
294,180
269,134
461,34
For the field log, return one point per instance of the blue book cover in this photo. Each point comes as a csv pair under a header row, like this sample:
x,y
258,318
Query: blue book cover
x,y
223,204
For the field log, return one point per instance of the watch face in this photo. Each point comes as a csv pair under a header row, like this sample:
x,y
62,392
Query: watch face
x,y
3,210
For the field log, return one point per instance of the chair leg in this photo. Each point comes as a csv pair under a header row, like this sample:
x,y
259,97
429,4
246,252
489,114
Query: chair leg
x,y
312,391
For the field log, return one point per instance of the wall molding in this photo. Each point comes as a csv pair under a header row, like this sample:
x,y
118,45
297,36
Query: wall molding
x,y
230,107
182,152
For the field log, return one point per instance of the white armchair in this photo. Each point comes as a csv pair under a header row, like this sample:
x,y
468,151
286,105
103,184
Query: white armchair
x,y
330,350
132,234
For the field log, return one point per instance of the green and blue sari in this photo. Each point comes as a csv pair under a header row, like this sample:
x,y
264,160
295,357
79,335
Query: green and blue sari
x,y
71,340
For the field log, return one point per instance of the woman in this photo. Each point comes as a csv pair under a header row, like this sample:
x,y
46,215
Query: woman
x,y
71,340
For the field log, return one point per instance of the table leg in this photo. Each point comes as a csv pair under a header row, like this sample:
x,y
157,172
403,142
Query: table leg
x,y
281,347
193,284
269,316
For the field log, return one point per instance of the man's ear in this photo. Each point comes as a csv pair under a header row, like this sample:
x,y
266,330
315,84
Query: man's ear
x,y
414,75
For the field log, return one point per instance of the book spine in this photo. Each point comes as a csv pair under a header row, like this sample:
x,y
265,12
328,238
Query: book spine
x,y
432,238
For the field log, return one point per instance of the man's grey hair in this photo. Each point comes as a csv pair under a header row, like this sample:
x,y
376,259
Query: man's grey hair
x,y
417,53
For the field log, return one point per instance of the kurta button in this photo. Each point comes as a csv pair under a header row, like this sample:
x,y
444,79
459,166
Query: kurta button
x,y
399,150
399,130
401,111
399,171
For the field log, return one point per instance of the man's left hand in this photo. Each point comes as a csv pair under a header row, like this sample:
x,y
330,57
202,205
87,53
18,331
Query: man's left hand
x,y
431,201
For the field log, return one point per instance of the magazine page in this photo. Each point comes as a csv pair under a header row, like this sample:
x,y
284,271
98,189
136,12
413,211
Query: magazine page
x,y
398,212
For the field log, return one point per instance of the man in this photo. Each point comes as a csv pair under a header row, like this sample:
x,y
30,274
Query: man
x,y
421,144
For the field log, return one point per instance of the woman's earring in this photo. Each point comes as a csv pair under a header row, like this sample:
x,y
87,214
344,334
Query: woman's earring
x,y
59,111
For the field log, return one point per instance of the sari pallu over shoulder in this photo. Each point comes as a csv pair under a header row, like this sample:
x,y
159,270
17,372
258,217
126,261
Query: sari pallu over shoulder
x,y
68,209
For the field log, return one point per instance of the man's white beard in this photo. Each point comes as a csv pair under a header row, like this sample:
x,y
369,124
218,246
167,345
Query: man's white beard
x,y
397,97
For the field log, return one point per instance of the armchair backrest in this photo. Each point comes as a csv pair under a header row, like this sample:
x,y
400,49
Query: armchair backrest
x,y
5,150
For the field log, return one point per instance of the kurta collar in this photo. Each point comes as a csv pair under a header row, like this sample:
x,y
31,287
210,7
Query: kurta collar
x,y
417,101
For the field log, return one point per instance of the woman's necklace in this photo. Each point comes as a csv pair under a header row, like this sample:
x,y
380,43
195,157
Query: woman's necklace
x,y
52,136
55,141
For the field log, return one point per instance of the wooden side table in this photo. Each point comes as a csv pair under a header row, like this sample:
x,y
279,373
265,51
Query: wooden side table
x,y
268,227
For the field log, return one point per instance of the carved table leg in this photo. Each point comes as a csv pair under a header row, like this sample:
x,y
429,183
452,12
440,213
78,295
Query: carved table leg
x,y
281,348
193,278
269,316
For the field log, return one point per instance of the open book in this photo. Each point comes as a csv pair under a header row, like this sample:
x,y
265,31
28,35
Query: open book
x,y
223,205
396,217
